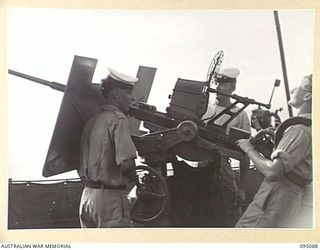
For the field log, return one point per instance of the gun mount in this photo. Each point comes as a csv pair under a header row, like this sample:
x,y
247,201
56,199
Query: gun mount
x,y
181,131
265,123
178,132
183,123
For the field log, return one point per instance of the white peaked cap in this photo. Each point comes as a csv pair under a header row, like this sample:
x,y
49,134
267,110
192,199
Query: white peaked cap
x,y
230,72
122,77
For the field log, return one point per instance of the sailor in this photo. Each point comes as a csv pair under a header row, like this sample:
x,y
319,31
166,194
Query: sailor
x,y
284,198
107,157
231,196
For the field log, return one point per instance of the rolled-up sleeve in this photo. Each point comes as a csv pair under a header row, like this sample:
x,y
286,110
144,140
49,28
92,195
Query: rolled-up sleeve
x,y
285,159
292,148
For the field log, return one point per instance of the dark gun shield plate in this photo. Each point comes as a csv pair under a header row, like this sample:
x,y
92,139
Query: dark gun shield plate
x,y
141,92
79,103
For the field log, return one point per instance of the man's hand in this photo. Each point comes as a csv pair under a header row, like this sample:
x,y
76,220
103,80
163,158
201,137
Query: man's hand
x,y
128,168
245,145
262,134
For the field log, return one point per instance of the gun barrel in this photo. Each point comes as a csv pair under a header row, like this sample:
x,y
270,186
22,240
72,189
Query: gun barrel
x,y
241,99
54,85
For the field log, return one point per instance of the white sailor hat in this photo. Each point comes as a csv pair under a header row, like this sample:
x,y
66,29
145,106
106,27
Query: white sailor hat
x,y
228,75
119,80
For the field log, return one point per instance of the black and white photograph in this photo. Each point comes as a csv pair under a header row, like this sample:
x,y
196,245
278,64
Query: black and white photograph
x,y
160,119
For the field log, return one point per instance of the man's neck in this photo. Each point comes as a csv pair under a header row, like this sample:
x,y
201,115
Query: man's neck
x,y
305,109
111,102
223,102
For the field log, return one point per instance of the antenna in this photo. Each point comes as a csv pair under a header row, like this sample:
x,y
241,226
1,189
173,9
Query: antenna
x,y
276,84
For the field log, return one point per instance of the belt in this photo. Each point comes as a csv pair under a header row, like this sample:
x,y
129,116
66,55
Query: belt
x,y
100,185
296,179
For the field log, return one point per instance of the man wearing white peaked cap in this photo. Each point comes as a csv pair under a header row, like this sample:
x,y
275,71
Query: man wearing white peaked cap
x,y
231,195
107,157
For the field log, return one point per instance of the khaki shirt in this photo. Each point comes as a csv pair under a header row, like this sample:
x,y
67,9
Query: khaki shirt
x,y
105,144
295,150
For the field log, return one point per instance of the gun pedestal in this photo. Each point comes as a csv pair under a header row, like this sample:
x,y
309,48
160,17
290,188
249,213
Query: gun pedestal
x,y
181,132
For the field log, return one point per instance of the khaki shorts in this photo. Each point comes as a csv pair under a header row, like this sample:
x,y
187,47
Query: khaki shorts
x,y
104,208
274,205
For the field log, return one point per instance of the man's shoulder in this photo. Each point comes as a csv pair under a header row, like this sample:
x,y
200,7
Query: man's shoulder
x,y
298,132
300,127
111,112
107,118
242,116
243,112
302,122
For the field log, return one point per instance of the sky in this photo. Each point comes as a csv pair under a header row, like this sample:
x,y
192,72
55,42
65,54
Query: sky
x,y
180,44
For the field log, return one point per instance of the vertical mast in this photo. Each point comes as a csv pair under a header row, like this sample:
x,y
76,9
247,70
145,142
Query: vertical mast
x,y
283,61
